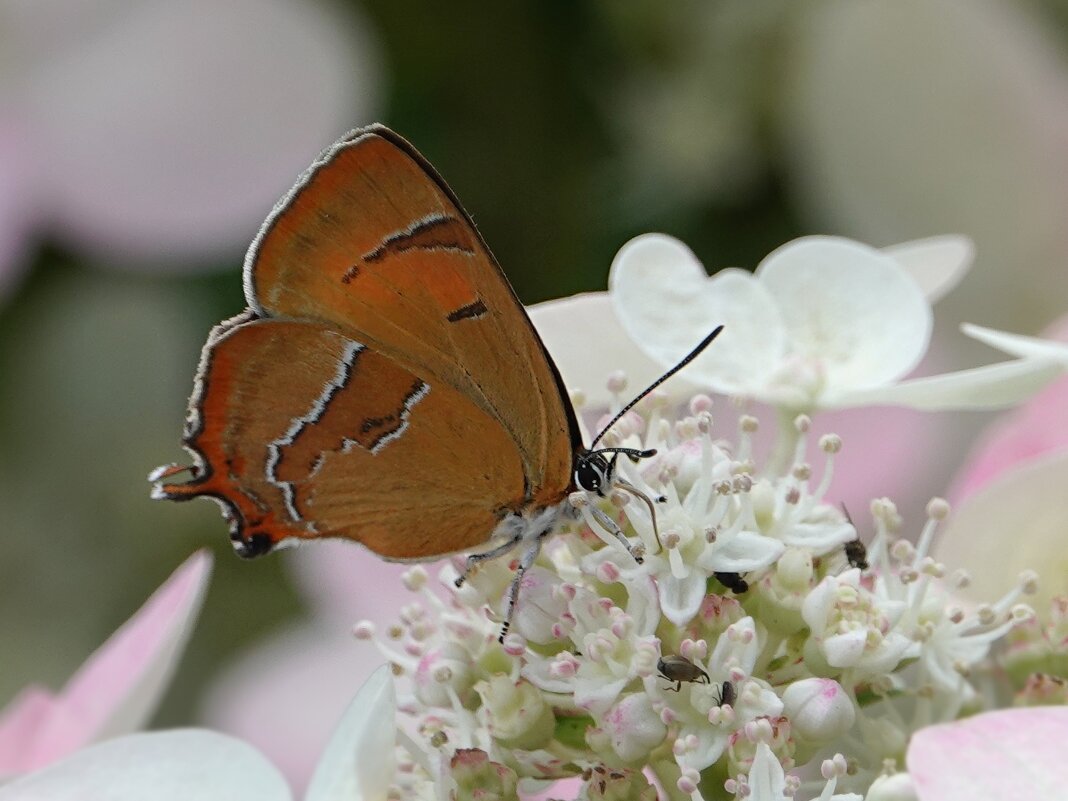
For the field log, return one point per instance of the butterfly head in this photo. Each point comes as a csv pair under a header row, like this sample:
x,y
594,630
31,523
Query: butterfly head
x,y
595,471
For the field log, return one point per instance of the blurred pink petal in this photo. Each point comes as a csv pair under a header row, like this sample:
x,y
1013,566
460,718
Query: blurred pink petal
x,y
1016,522
117,689
1013,753
346,582
1036,428
171,126
283,695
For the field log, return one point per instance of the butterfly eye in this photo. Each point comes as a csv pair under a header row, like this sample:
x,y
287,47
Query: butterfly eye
x,y
590,473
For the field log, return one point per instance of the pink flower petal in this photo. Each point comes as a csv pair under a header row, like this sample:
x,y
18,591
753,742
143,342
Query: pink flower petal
x,y
1035,429
27,714
347,582
1013,753
284,695
117,689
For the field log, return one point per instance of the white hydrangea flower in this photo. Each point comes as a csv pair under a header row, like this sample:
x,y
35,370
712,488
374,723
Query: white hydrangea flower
x,y
852,628
949,639
824,322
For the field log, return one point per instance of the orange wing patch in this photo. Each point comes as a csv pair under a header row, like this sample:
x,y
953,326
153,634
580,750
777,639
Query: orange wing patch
x,y
362,448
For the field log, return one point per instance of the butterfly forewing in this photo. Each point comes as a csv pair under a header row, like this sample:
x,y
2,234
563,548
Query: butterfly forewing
x,y
372,241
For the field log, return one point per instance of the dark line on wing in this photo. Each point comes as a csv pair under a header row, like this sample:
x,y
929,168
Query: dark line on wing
x,y
350,273
468,312
393,424
435,233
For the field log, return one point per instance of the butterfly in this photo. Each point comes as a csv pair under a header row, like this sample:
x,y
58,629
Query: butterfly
x,y
385,384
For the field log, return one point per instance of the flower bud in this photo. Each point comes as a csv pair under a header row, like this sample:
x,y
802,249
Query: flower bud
x,y
618,785
895,787
438,667
793,572
1042,690
539,608
477,777
819,709
634,728
517,712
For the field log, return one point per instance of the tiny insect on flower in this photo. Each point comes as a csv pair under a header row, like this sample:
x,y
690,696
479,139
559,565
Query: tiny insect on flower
x,y
733,582
857,554
727,694
679,669
855,551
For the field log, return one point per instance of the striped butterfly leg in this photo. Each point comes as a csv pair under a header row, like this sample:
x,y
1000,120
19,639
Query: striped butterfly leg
x,y
583,500
531,528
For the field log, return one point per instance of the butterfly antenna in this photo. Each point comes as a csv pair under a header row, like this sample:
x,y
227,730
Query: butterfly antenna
x,y
693,354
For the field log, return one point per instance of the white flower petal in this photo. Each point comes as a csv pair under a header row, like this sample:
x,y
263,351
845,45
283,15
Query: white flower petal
x,y
1017,344
849,308
680,598
937,264
742,552
767,780
596,694
993,386
762,702
666,303
895,787
358,763
735,650
711,743
161,766
890,652
820,538
588,345
846,649
817,605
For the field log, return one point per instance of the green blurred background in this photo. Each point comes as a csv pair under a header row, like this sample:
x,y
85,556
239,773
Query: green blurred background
x,y
565,127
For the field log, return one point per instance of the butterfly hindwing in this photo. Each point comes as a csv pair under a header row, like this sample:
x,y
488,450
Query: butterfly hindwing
x,y
361,448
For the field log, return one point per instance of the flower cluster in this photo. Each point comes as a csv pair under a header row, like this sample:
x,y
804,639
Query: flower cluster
x,y
756,625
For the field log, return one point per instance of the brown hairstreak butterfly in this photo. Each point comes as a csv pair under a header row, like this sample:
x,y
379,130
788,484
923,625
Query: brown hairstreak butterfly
x,y
385,385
